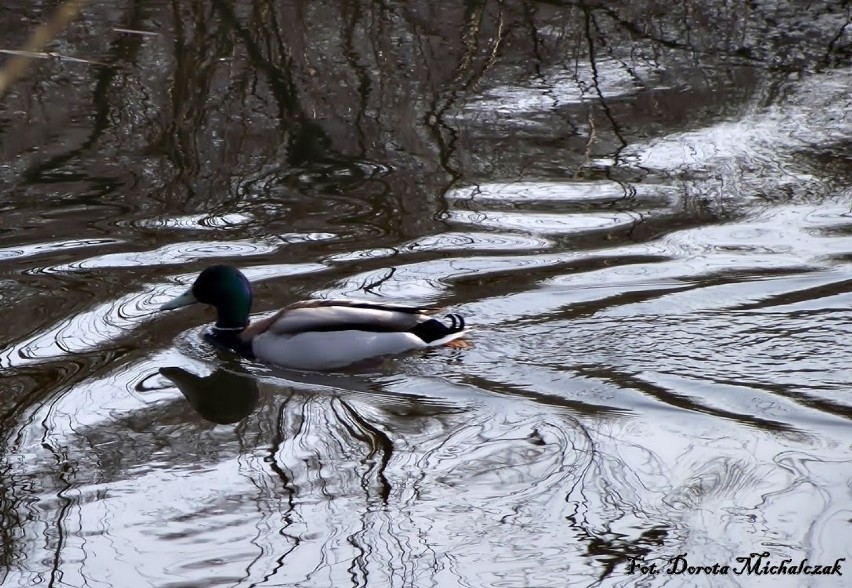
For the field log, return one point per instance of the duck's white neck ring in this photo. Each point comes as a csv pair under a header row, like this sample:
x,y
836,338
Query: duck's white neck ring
x,y
228,328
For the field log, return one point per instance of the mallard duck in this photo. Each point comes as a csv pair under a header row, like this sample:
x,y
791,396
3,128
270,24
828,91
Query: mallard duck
x,y
314,334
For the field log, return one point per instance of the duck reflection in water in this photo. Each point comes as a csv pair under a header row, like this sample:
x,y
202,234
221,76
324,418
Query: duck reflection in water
x,y
222,397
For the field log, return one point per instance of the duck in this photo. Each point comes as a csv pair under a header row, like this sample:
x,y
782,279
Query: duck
x,y
315,335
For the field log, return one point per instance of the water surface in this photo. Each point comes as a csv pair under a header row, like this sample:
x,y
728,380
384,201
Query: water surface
x,y
644,212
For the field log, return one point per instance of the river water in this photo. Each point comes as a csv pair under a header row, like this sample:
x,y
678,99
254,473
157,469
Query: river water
x,y
644,212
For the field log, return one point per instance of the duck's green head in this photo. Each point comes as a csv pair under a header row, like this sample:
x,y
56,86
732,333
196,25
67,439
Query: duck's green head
x,y
223,287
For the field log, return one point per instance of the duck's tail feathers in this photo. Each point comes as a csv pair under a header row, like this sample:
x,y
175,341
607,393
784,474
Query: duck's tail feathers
x,y
436,332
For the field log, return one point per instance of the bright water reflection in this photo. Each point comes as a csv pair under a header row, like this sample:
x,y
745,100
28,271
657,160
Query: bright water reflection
x,y
644,212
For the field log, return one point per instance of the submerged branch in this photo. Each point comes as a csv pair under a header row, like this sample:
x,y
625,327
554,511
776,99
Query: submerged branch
x,y
17,66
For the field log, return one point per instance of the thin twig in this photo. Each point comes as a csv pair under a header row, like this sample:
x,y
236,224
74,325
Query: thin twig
x,y
135,32
51,55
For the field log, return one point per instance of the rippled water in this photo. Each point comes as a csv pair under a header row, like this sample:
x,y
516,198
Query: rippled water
x,y
645,213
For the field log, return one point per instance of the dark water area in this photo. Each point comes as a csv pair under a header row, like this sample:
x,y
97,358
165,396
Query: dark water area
x,y
643,209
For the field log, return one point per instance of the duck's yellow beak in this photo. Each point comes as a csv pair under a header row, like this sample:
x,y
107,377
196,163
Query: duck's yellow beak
x,y
184,299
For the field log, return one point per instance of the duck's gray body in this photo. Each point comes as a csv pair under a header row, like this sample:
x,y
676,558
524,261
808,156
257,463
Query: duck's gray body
x,y
329,334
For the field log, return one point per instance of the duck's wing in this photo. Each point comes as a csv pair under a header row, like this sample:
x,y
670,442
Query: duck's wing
x,y
341,315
